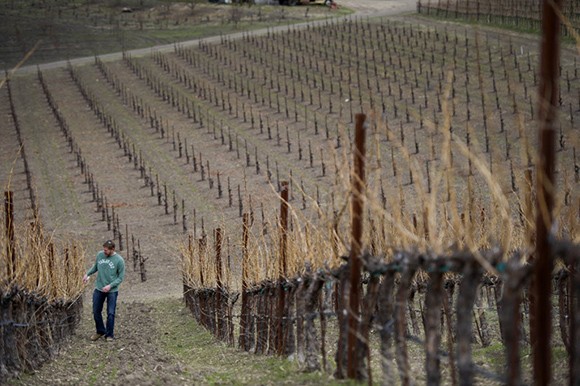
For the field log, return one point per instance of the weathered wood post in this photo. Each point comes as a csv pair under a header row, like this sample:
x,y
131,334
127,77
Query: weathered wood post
x,y
545,190
243,338
142,259
358,182
51,261
471,276
189,257
10,253
202,301
221,331
433,300
283,268
510,317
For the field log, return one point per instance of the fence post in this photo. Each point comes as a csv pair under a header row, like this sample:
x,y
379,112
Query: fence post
x,y
358,181
282,325
545,189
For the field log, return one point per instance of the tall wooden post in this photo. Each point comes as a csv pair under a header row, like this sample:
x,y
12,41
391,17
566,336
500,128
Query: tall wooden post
x,y
51,261
10,254
202,299
243,340
545,189
189,256
358,188
280,341
220,327
67,267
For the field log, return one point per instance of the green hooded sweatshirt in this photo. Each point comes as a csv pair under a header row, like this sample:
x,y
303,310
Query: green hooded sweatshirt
x,y
111,270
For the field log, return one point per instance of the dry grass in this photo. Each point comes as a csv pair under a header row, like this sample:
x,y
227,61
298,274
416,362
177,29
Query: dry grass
x,y
468,201
477,215
41,265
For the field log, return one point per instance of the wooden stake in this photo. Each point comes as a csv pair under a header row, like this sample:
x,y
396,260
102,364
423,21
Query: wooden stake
x,y
355,262
283,270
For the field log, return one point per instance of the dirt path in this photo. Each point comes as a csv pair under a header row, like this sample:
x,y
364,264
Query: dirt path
x,y
158,343
379,7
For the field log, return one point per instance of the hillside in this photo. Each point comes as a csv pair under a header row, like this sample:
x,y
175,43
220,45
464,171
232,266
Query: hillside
x,y
159,148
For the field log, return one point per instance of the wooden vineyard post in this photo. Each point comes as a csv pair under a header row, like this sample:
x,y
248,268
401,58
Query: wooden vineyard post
x,y
10,253
51,262
221,332
358,180
464,305
189,257
243,339
433,300
67,267
142,269
282,323
510,317
545,190
202,300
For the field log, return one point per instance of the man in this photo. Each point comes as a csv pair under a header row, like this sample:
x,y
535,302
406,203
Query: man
x,y
110,268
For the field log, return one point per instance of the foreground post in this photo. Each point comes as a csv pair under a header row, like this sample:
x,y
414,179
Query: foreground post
x,y
9,210
280,341
220,328
545,189
355,262
243,340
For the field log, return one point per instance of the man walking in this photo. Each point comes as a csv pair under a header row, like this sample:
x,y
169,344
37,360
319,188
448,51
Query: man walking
x,y
110,268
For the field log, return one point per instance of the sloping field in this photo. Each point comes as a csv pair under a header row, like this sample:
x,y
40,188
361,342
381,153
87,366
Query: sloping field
x,y
179,143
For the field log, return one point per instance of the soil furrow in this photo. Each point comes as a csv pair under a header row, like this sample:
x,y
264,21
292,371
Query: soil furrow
x,y
120,183
12,176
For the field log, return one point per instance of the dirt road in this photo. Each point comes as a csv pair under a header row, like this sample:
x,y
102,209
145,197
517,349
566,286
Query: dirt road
x,y
379,7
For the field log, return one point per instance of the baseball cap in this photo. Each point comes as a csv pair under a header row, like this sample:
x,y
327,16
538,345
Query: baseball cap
x,y
109,244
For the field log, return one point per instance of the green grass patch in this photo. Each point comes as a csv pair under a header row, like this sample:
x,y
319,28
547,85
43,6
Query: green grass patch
x,y
218,363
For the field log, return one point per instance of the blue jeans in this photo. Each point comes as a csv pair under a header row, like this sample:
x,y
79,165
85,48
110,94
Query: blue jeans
x,y
98,302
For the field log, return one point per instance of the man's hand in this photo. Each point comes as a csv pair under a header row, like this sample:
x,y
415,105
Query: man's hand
x,y
85,279
106,288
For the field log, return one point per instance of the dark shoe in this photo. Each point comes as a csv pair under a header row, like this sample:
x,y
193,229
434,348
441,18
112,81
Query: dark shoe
x,y
96,337
109,339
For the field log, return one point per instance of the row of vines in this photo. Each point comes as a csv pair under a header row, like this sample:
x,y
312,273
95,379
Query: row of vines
x,y
314,136
521,14
39,288
252,140
274,105
446,205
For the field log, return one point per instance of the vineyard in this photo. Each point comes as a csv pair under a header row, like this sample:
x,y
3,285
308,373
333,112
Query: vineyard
x,y
360,195
520,14
62,29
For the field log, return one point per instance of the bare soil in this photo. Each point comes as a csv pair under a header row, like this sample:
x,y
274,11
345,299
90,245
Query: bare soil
x,y
158,343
